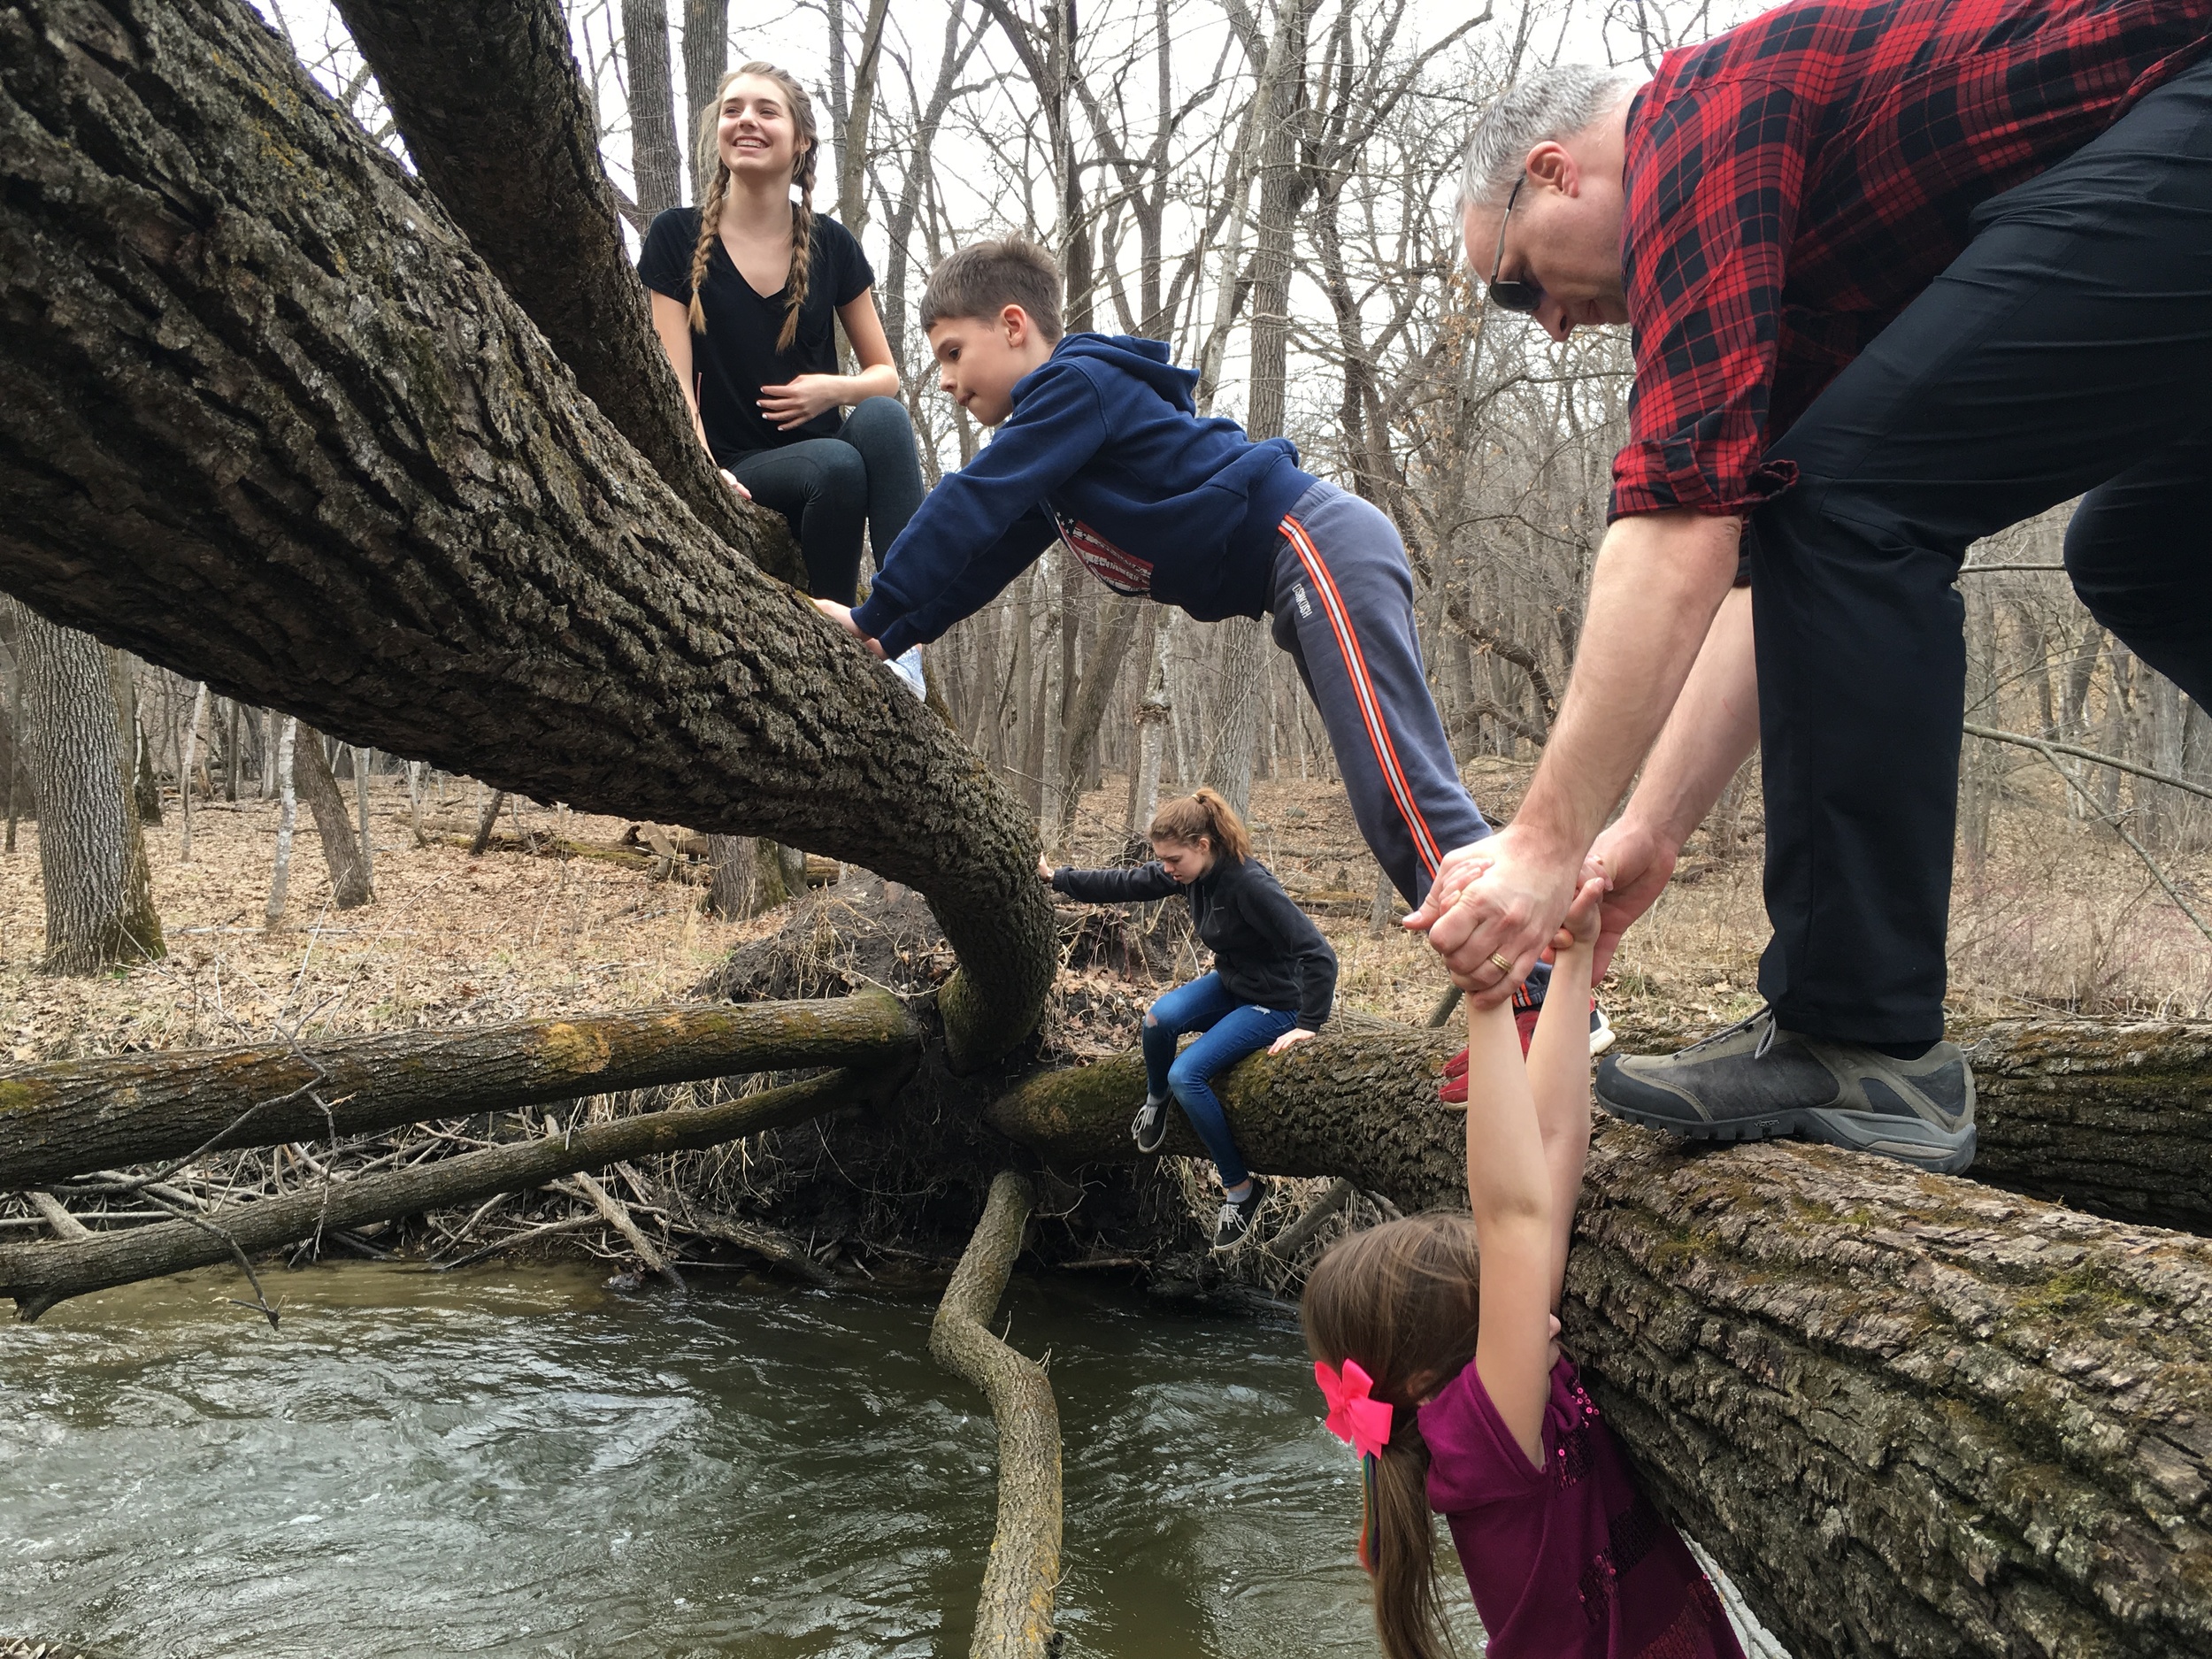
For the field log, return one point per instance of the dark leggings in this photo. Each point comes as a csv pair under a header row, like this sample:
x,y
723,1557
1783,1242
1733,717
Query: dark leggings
x,y
829,489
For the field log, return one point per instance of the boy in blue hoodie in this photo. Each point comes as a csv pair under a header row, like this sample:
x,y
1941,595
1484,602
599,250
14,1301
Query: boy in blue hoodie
x,y
1099,444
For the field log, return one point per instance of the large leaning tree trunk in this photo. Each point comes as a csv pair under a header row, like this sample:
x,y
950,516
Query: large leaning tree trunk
x,y
91,851
1909,1413
488,96
267,417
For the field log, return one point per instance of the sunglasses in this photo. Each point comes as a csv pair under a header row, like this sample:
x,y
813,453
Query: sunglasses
x,y
1522,297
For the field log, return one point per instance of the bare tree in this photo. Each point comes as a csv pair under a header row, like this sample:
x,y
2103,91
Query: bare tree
x,y
312,777
658,138
92,848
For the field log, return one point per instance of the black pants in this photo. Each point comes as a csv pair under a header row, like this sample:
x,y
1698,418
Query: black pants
x,y
829,489
2069,349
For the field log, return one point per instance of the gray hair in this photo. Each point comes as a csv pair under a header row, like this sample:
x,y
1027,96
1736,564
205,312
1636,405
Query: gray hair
x,y
1549,105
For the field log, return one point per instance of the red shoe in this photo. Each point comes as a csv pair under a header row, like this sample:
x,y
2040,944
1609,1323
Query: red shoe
x,y
1453,1090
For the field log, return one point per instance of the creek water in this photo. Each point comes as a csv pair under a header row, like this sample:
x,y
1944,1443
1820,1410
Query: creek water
x,y
517,1460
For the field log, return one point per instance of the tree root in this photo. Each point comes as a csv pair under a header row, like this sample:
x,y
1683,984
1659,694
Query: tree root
x,y
37,1276
64,1119
1013,1618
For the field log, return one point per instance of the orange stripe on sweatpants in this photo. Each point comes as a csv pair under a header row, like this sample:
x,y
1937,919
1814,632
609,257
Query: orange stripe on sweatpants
x,y
1364,693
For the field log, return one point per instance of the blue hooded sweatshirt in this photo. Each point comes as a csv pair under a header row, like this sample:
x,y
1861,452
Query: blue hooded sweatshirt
x,y
1105,448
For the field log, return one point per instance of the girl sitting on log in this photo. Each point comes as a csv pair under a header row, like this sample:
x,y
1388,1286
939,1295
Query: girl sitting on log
x,y
1273,980
1435,1342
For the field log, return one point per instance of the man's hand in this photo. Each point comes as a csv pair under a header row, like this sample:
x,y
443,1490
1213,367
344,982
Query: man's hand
x,y
1290,1039
842,616
798,400
1639,860
1510,909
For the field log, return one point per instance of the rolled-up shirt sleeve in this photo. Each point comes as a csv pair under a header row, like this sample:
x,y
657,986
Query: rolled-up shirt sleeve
x,y
1714,177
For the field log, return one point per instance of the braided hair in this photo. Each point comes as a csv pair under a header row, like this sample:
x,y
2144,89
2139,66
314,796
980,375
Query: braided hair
x,y
802,164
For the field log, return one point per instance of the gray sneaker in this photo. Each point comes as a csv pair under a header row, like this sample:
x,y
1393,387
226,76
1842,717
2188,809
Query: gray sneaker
x,y
1754,1079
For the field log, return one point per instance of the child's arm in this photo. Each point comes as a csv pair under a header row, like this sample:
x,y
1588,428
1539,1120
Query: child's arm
x,y
1112,886
1559,1070
1510,1191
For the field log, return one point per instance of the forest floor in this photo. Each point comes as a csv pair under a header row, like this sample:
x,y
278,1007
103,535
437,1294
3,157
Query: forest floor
x,y
2059,915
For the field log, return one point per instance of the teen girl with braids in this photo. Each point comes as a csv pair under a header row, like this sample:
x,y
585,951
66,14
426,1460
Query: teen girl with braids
x,y
1435,1342
1274,979
743,290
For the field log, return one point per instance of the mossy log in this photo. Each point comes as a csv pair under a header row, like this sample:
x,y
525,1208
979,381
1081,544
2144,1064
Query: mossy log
x,y
1909,1413
67,1118
37,1276
1013,1616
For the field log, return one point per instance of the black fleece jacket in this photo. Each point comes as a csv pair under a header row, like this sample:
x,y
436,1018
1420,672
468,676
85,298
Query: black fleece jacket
x,y
1267,950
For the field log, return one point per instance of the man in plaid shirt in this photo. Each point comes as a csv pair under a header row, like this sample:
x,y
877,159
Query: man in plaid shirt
x,y
1901,274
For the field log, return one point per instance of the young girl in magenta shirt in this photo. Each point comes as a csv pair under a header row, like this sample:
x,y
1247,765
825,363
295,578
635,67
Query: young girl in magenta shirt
x,y
1440,1363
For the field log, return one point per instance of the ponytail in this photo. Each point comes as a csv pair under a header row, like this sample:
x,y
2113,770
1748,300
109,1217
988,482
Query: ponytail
x,y
797,280
1203,813
1402,1298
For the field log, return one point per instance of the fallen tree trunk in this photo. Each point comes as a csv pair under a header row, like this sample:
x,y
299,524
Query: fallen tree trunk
x,y
1908,1414
1013,1616
65,1119
267,419
37,1276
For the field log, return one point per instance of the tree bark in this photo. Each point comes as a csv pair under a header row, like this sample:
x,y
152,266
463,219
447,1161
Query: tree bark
x,y
1906,1413
318,786
91,849
264,417
37,1276
1013,1616
497,80
72,1116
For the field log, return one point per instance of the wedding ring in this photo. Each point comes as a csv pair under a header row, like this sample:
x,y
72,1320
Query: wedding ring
x,y
1500,963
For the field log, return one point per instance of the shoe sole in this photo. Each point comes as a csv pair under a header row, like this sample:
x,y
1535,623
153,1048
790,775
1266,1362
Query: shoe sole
x,y
1912,1140
1224,1249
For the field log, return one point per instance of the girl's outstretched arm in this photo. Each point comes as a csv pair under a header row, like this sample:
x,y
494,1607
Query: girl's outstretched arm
x,y
1559,1070
1509,1190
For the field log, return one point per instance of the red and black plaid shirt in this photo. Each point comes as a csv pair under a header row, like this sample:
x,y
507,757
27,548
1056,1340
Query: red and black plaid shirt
x,y
1795,183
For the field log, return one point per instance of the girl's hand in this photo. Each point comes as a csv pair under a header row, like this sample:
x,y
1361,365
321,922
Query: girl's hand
x,y
797,402
1290,1039
842,616
1579,930
1044,870
729,479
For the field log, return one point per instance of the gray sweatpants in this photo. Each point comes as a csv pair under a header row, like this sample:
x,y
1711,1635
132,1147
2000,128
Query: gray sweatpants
x,y
1341,598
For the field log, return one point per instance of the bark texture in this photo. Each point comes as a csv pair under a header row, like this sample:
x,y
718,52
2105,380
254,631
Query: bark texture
x,y
37,1276
342,852
497,116
66,1119
655,144
265,418
1908,1414
91,850
1013,1616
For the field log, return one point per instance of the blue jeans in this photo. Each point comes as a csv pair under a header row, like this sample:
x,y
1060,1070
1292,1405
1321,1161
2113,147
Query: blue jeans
x,y
1233,1030
828,489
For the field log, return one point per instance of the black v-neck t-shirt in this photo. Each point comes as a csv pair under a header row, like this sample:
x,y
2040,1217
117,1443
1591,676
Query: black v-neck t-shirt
x,y
737,355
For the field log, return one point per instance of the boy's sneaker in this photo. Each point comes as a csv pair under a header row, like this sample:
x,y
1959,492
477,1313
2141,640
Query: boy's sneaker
x,y
1754,1079
1235,1219
907,667
1149,1127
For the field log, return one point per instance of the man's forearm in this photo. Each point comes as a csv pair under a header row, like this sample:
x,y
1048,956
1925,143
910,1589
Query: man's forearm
x,y
1713,727
1660,579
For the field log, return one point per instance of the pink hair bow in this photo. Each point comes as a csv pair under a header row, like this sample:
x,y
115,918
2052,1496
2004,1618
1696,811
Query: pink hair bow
x,y
1355,1415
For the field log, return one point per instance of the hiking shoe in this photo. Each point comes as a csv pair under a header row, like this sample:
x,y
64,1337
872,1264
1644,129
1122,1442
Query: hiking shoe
x,y
1754,1079
1235,1219
1453,1090
1149,1127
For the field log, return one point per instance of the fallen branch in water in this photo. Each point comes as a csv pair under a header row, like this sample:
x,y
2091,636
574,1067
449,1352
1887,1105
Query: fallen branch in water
x,y
1013,1616
37,1276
